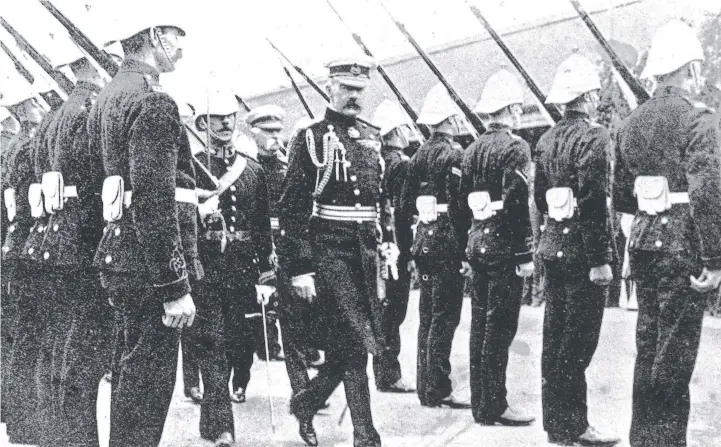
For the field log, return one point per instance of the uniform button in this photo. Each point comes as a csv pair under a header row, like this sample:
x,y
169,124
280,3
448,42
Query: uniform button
x,y
233,198
105,230
353,178
543,228
232,229
282,232
108,259
227,162
430,232
486,231
631,244
483,249
31,250
117,231
659,244
425,277
46,255
356,192
357,206
41,229
6,249
56,227
11,228
559,254
389,227
566,230
232,188
425,250
664,220
233,208
232,218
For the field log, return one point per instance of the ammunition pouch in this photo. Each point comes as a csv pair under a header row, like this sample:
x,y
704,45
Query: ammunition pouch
x,y
561,203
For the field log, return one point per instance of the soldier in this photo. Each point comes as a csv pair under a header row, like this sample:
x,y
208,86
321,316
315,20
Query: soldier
x,y
395,135
329,217
8,129
668,158
575,246
433,188
266,125
79,337
148,253
21,331
495,183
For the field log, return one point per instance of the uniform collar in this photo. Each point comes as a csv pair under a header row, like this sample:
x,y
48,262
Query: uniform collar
x,y
134,66
497,127
332,115
439,136
576,115
89,86
670,90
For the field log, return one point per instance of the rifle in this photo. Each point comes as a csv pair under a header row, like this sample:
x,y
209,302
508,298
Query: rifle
x,y
298,92
242,103
552,110
18,65
642,95
401,99
300,71
472,118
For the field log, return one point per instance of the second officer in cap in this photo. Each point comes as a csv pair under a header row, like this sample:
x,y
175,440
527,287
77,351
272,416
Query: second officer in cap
x,y
495,186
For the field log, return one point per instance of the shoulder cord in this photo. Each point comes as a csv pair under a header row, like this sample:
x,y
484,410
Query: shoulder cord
x,y
327,162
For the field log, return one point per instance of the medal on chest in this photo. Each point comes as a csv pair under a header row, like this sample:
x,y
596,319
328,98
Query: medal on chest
x,y
353,133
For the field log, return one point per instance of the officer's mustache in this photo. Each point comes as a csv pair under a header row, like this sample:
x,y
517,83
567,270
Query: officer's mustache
x,y
352,105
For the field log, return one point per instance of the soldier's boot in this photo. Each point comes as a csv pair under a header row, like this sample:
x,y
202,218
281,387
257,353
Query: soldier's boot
x,y
357,394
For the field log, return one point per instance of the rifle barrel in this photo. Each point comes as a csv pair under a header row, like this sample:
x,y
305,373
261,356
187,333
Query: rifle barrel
x,y
300,71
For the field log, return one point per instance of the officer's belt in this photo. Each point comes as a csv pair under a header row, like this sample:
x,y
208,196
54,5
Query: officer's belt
x,y
345,213
441,207
235,236
274,223
183,195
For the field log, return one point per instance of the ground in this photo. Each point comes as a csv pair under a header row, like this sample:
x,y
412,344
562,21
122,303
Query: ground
x,y
403,422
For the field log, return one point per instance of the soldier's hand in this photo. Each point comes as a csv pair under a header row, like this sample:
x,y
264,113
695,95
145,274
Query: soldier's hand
x,y
709,280
304,286
411,267
525,270
601,276
179,313
466,269
263,294
208,207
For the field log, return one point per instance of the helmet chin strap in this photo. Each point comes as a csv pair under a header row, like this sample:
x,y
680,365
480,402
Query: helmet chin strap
x,y
165,46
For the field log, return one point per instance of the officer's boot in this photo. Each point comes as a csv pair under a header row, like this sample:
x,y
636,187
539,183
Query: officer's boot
x,y
357,395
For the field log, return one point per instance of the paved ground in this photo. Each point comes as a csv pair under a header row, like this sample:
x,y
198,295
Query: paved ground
x,y
403,422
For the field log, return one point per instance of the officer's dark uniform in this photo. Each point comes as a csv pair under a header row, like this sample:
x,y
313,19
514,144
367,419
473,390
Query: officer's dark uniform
x,y
438,249
81,345
149,255
228,290
673,137
497,163
572,155
21,329
387,369
332,231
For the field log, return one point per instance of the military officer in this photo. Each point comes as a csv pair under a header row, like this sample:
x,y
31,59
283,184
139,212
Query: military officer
x,y
395,135
668,158
575,246
148,252
433,189
330,212
21,330
266,125
80,334
495,186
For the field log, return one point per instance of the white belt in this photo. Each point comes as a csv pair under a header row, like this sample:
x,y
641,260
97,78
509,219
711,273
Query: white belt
x,y
497,205
183,195
442,207
274,223
70,191
678,197
345,213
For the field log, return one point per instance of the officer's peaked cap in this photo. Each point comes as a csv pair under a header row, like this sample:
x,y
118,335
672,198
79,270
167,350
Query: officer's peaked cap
x,y
354,72
268,117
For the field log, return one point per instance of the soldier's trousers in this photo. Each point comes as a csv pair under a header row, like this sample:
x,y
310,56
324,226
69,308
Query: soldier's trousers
x,y
495,308
191,370
386,367
8,304
440,312
74,356
668,334
18,388
295,320
207,340
571,327
146,362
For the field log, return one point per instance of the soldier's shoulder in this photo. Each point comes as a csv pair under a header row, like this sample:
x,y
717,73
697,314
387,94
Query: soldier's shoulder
x,y
368,129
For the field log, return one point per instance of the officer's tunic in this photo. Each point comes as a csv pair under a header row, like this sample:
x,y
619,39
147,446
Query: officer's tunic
x,y
497,163
387,369
673,137
81,342
342,254
149,255
438,249
573,154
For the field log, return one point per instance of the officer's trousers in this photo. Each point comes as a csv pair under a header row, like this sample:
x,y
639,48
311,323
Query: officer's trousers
x,y
668,334
75,355
191,370
571,327
440,312
386,367
206,339
145,365
19,395
295,320
495,308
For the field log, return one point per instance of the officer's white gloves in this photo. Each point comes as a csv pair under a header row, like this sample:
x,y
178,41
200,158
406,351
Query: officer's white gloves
x,y
208,207
709,280
389,254
304,286
263,293
179,313
466,269
602,275
525,270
